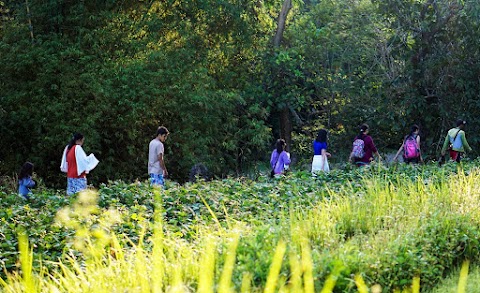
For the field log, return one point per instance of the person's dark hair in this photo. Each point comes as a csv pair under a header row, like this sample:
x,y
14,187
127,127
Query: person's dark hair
x,y
76,136
162,130
461,122
363,128
322,136
280,144
27,170
413,129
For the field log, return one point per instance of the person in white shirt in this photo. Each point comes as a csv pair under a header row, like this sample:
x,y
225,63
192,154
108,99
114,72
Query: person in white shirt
x,y
156,164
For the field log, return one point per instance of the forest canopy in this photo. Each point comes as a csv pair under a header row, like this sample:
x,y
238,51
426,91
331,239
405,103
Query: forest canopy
x,y
227,79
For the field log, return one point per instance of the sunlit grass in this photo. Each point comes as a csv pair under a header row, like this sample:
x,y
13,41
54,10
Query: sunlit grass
x,y
463,280
349,229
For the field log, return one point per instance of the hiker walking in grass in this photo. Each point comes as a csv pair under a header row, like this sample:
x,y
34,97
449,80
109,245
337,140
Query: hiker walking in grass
x,y
363,148
77,164
320,154
25,181
411,147
156,163
455,142
280,159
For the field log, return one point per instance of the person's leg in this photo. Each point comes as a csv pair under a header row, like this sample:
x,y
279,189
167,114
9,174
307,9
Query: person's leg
x,y
80,184
361,164
412,160
316,164
453,155
157,180
160,180
75,185
70,188
459,157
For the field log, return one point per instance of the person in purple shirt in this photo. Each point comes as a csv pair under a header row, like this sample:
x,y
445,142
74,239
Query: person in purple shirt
x,y
280,158
369,148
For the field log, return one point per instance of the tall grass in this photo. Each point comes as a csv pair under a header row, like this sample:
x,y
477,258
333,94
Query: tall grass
x,y
135,273
348,240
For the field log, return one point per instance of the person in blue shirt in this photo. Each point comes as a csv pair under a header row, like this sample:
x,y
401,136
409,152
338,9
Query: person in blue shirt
x,y
320,154
25,181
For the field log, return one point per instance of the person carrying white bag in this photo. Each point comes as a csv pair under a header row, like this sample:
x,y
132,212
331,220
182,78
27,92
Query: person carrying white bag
x,y
77,164
320,154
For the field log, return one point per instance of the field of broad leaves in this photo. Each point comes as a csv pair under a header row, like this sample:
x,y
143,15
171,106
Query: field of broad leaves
x,y
376,229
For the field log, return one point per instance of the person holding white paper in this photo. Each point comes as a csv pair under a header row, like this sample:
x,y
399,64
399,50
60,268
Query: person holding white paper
x,y
76,164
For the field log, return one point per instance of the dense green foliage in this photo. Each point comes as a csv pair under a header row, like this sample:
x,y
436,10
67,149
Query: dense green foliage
x,y
116,70
388,224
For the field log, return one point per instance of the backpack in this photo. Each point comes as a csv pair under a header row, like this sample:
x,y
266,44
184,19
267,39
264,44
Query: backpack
x,y
358,146
410,148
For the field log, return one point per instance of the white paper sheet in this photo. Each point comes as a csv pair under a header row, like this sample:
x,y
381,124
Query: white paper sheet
x,y
92,162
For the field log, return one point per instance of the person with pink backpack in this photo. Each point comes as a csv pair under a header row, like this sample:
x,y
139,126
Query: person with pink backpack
x,y
411,147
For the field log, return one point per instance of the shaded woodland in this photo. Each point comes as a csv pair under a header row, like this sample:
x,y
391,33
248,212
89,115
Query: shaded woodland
x,y
228,77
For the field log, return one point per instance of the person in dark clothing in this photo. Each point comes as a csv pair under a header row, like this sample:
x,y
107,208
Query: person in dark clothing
x,y
364,148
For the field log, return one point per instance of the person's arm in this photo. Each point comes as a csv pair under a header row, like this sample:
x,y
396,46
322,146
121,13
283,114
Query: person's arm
x,y
464,142
273,160
63,164
372,146
82,162
350,157
324,157
445,145
30,182
398,152
162,164
419,149
160,149
286,158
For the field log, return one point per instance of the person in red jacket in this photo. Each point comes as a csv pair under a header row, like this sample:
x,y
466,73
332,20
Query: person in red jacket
x,y
76,164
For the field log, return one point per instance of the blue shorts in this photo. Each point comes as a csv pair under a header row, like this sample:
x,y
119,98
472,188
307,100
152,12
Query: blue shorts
x,y
75,185
156,179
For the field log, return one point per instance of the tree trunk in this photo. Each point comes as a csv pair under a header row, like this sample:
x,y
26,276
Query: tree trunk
x,y
286,126
282,18
30,26
285,119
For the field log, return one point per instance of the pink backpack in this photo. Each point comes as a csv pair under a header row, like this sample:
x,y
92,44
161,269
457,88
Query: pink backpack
x,y
410,148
